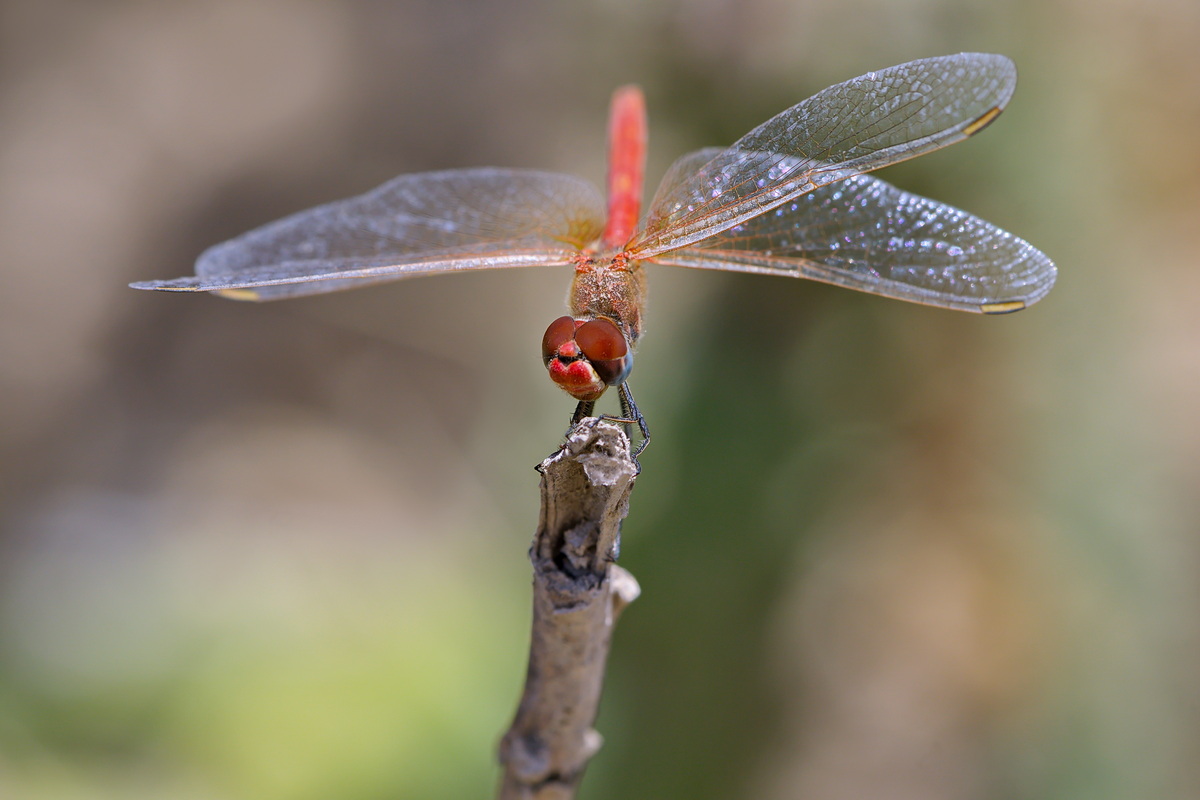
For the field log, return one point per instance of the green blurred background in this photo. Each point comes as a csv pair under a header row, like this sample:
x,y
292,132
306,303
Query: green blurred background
x,y
279,552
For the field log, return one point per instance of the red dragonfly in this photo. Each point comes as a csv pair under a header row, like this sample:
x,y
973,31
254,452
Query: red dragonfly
x,y
788,198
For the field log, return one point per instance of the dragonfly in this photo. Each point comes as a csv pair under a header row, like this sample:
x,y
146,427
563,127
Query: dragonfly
x,y
790,198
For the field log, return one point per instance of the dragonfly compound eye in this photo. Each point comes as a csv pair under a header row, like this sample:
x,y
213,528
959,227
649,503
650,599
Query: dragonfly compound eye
x,y
601,340
606,349
561,331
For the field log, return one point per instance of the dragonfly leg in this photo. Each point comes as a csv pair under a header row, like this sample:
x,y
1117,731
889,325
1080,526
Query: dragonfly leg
x,y
630,415
630,412
582,411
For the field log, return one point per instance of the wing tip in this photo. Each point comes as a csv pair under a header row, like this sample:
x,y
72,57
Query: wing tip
x,y
189,284
1020,304
193,284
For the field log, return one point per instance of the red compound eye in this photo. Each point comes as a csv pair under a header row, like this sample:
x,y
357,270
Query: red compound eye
x,y
600,340
561,331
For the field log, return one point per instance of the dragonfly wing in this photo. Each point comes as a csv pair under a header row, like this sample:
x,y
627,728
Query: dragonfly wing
x,y
866,234
412,225
863,124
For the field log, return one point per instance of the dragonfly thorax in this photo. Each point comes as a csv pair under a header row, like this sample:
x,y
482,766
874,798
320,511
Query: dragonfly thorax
x,y
586,356
610,286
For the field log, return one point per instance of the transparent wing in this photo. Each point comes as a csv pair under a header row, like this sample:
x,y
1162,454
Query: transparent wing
x,y
863,124
866,234
412,225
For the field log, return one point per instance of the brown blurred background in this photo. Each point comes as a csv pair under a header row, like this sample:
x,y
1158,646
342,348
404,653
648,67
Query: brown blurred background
x,y
277,552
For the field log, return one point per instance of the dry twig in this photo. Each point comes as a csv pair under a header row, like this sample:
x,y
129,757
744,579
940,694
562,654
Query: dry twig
x,y
577,594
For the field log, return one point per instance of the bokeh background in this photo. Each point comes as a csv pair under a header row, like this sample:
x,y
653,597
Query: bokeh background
x,y
278,552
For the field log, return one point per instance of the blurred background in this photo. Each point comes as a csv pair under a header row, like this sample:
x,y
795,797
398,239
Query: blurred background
x,y
278,552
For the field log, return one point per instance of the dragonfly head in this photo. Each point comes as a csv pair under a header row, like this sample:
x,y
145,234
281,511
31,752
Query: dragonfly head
x,y
586,356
